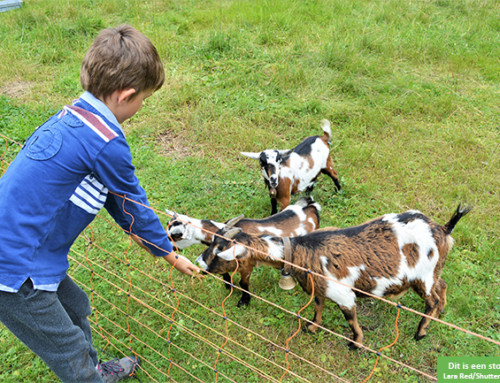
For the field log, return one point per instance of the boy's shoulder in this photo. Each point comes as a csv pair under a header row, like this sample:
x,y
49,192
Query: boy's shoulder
x,y
93,113
96,123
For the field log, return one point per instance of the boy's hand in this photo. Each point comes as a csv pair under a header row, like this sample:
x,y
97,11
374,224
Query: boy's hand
x,y
182,264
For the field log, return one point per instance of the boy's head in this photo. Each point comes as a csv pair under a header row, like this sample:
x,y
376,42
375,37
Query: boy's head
x,y
118,59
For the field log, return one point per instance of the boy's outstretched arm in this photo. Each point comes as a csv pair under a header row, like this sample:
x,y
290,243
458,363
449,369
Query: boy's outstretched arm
x,y
181,263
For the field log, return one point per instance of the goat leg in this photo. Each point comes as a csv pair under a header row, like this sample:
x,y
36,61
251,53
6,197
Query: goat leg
x,y
319,305
352,319
442,286
274,206
331,172
433,305
244,284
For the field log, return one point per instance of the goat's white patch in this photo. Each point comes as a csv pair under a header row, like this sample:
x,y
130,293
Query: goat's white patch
x,y
270,230
301,230
201,262
341,293
416,232
384,283
232,253
264,174
274,250
307,174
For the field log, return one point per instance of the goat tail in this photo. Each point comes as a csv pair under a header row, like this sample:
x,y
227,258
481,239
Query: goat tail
x,y
459,213
325,125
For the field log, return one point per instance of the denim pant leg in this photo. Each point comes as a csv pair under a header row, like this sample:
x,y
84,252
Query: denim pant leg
x,y
41,322
76,303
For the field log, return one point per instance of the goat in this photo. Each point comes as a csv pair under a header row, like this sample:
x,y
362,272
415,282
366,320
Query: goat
x,y
298,219
384,257
291,171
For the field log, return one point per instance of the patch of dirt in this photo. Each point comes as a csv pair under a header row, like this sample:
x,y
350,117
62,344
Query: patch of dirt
x,y
16,89
174,145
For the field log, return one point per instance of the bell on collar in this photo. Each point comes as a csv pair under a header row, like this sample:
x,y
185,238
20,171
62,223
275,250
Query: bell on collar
x,y
286,281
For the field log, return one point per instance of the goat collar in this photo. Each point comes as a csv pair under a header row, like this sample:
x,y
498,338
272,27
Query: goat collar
x,y
286,280
287,256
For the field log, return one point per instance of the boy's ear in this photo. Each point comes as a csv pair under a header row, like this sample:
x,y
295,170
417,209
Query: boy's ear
x,y
125,94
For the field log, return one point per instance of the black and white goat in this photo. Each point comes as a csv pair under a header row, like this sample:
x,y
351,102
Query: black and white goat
x,y
298,219
384,257
291,171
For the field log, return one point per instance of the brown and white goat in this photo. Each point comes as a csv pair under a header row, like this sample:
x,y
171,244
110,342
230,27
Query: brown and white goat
x,y
298,219
291,171
384,257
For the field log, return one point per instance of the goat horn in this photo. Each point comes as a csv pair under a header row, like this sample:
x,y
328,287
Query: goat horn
x,y
234,221
231,233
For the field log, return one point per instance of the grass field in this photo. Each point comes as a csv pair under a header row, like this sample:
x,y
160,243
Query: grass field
x,y
412,91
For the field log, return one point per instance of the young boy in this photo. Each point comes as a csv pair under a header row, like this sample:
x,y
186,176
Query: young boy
x,y
75,163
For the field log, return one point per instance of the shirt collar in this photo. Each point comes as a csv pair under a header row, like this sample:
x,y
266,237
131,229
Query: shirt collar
x,y
101,108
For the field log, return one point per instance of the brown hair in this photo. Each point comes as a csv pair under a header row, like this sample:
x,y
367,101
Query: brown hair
x,y
121,58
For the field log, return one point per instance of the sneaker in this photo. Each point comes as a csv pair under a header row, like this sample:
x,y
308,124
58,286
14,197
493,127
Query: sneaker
x,y
118,369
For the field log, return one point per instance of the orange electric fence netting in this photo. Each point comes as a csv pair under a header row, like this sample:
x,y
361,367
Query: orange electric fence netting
x,y
150,312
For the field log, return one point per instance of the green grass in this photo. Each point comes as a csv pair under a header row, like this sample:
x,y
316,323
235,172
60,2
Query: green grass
x,y
411,89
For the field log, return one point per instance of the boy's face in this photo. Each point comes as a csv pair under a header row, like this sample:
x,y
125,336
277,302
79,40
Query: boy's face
x,y
130,106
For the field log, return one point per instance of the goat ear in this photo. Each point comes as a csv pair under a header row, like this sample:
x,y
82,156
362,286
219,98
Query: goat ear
x,y
285,153
253,155
233,252
171,213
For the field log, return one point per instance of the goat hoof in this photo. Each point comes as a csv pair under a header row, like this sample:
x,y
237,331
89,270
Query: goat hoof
x,y
243,303
311,329
353,346
419,336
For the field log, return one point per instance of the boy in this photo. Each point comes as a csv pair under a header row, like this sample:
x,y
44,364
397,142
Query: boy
x,y
54,188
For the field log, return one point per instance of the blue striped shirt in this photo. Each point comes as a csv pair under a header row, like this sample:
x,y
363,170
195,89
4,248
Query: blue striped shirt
x,y
55,187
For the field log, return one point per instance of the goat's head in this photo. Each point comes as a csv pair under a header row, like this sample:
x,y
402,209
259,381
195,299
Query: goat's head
x,y
270,164
224,238
177,226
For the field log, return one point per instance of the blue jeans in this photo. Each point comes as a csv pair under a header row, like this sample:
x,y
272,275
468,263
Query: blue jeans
x,y
54,326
